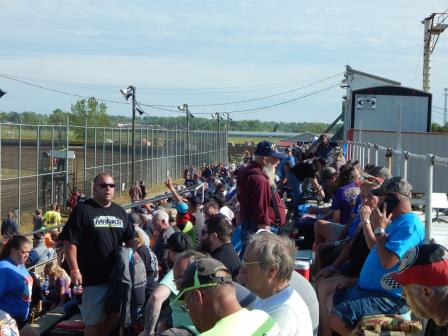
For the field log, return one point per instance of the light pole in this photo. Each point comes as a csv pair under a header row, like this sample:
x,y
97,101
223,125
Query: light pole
x,y
218,117
130,92
185,109
227,133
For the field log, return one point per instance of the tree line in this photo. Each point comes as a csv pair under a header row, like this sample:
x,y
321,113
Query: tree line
x,y
94,113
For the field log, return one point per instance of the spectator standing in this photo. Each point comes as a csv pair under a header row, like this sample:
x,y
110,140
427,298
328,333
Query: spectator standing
x,y
135,192
37,220
52,217
91,236
209,294
423,274
9,226
260,204
267,267
143,189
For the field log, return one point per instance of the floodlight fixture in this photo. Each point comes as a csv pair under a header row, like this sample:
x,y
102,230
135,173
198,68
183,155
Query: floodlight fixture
x,y
127,92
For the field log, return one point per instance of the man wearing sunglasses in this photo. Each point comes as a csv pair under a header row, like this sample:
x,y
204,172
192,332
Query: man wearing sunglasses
x,y
92,234
210,297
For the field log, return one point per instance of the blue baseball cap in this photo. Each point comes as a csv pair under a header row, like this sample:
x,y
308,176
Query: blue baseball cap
x,y
265,148
182,207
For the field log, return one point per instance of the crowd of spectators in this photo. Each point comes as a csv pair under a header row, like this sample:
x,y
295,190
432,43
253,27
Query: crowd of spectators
x,y
218,259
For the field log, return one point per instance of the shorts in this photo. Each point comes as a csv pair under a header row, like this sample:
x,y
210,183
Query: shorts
x,y
336,230
351,304
93,307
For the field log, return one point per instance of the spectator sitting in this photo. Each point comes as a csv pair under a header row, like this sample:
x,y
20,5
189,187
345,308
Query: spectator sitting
x,y
215,239
396,229
60,291
162,231
40,252
267,267
423,273
135,220
9,226
16,282
342,206
210,296
175,244
211,208
184,222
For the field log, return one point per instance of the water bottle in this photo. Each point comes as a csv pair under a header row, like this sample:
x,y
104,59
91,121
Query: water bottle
x,y
77,293
46,285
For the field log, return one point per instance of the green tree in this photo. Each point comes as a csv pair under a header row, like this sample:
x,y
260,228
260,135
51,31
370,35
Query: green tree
x,y
57,117
90,111
30,118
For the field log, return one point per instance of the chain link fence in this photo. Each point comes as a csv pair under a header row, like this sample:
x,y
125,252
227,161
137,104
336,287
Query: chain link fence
x,y
42,164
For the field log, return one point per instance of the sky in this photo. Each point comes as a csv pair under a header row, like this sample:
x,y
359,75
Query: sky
x,y
289,53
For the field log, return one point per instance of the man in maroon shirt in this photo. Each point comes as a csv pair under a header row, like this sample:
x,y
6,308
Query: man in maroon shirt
x,y
260,204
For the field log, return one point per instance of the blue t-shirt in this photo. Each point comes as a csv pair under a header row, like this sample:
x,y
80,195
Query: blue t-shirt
x,y
354,225
344,200
404,232
15,289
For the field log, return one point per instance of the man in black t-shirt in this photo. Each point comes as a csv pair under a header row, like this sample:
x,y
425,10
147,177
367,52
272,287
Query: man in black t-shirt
x,y
92,233
215,239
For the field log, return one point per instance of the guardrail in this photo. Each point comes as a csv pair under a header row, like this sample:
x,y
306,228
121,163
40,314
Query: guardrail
x,y
364,151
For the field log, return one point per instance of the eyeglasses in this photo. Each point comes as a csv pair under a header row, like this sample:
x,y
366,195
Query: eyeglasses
x,y
105,185
244,263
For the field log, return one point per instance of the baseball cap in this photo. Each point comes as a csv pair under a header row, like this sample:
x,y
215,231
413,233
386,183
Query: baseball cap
x,y
182,207
265,148
178,242
134,218
201,274
376,171
425,265
326,173
394,184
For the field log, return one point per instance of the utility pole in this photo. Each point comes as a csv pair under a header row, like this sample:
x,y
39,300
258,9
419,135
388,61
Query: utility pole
x,y
434,26
185,109
445,108
130,92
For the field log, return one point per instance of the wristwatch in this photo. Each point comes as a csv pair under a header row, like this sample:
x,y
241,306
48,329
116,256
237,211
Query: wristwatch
x,y
379,231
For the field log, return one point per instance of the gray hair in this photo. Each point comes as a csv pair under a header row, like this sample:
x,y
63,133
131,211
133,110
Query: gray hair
x,y
440,292
274,252
161,215
191,254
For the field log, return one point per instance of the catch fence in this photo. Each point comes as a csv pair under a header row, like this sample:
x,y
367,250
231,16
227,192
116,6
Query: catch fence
x,y
42,164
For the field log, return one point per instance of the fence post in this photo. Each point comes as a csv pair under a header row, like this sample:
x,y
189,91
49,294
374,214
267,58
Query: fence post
x,y
405,165
94,152
428,203
119,157
376,154
389,159
368,153
67,145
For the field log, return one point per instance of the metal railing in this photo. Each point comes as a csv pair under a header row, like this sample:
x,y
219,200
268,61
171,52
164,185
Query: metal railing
x,y
374,154
41,164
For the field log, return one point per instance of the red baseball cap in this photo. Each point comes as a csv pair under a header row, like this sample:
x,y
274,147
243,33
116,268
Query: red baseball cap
x,y
425,265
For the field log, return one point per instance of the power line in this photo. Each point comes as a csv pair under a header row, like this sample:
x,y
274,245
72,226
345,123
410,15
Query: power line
x,y
80,96
270,96
244,111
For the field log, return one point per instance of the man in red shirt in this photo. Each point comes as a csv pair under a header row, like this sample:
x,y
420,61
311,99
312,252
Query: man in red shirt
x,y
260,205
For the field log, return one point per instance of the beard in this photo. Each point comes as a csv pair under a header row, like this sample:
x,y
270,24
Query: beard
x,y
269,170
204,246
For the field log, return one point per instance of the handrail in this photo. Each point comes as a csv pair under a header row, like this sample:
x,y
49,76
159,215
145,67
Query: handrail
x,y
130,206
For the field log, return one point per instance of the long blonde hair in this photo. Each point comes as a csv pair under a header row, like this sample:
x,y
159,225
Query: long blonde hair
x,y
56,271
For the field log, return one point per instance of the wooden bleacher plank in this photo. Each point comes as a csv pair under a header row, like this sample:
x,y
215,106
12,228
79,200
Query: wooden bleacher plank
x,y
45,323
